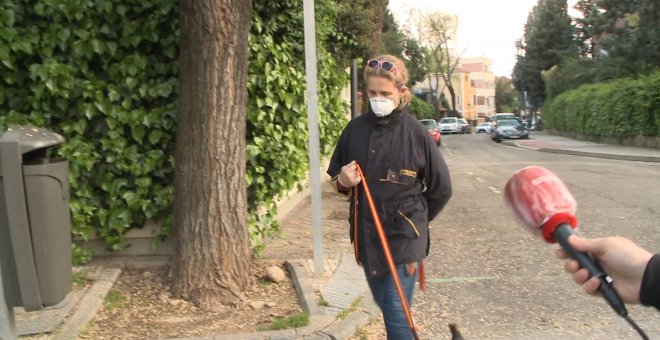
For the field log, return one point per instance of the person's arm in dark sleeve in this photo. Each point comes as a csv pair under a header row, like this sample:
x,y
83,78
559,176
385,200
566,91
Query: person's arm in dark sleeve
x,y
337,161
649,294
436,176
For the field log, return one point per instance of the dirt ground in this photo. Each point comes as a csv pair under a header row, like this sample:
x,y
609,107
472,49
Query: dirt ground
x,y
140,307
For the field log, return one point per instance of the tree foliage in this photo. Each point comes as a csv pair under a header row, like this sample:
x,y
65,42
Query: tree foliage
x,y
396,43
436,31
505,95
625,31
360,22
548,38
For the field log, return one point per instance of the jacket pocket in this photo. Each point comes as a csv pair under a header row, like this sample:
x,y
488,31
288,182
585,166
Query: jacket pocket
x,y
409,222
401,177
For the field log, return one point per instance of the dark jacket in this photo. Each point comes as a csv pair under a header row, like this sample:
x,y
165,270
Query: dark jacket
x,y
649,293
408,179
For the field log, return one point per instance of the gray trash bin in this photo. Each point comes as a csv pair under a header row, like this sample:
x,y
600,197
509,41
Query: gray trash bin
x,y
34,213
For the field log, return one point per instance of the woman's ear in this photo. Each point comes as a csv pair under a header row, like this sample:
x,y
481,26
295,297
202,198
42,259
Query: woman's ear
x,y
402,91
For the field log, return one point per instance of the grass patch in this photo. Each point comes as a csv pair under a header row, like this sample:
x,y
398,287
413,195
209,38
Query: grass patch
x,y
85,332
352,308
323,302
80,280
361,334
115,299
300,319
265,282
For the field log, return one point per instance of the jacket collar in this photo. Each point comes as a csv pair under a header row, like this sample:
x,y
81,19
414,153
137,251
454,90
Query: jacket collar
x,y
390,120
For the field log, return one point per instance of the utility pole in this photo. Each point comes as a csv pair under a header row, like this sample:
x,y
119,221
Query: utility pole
x,y
313,126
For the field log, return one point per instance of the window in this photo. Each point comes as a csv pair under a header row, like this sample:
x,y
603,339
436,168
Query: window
x,y
474,99
458,100
481,100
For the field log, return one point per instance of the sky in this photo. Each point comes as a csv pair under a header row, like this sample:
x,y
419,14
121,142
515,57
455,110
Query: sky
x,y
486,27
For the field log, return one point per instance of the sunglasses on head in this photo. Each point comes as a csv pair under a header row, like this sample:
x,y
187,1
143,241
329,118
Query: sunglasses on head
x,y
385,65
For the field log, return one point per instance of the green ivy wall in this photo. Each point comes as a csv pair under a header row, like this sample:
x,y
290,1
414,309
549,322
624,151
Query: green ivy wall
x,y
104,75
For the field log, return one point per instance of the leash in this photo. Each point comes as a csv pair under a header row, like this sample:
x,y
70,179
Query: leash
x,y
386,249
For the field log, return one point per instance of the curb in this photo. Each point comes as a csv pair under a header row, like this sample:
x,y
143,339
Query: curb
x,y
367,312
89,305
650,159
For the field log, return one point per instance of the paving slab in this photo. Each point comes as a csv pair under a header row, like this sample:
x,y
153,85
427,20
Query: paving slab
x,y
345,286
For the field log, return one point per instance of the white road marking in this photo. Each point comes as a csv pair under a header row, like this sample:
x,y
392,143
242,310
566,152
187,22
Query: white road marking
x,y
494,190
479,179
469,173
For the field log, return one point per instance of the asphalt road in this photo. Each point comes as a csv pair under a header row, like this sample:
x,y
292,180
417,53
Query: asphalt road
x,y
496,280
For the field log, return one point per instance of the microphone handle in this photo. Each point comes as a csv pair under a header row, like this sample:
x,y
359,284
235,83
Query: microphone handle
x,y
587,261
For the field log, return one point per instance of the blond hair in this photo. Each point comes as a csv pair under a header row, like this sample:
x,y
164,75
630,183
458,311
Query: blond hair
x,y
399,76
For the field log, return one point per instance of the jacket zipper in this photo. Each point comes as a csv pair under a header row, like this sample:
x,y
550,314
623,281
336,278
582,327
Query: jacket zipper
x,y
409,222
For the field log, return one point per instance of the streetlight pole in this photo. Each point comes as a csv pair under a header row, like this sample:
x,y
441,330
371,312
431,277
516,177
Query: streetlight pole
x,y
313,127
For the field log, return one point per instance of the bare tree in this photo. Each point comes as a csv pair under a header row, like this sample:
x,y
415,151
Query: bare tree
x,y
213,258
437,33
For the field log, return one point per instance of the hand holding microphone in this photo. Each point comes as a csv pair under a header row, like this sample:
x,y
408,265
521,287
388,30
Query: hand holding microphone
x,y
541,202
621,258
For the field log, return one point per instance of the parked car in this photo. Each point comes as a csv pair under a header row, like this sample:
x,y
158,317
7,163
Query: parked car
x,y
509,129
484,127
434,130
465,126
499,116
450,125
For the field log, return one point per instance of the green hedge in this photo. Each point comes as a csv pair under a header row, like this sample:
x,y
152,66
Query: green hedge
x,y
103,73
620,108
422,109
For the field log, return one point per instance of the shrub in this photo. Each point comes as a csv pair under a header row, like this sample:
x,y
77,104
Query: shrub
x,y
623,108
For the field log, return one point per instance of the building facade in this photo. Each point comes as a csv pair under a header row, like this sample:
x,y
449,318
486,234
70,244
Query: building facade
x,y
474,87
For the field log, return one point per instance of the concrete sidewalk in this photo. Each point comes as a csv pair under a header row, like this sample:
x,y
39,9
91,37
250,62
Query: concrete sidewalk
x,y
545,142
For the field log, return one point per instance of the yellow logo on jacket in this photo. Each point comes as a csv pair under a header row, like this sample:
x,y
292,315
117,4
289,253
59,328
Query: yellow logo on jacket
x,y
406,172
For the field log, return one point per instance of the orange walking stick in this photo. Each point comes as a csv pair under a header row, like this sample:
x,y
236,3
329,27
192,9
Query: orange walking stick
x,y
386,249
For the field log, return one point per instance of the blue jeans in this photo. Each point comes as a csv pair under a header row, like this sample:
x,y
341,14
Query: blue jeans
x,y
387,298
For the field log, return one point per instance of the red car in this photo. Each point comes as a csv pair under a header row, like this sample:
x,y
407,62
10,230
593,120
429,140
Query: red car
x,y
434,130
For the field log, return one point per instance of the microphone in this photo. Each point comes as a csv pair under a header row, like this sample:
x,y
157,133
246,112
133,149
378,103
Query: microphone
x,y
540,201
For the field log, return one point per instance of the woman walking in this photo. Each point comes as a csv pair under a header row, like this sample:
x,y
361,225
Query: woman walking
x,y
409,183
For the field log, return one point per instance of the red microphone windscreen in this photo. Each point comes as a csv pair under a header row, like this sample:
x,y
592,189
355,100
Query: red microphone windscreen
x,y
540,201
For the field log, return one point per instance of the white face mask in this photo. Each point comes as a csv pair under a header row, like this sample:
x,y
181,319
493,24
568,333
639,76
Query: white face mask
x,y
382,106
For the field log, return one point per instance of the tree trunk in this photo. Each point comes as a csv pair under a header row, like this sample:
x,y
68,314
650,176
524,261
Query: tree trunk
x,y
212,265
452,93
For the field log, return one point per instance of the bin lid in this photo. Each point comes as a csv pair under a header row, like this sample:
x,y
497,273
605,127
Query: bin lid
x,y
31,138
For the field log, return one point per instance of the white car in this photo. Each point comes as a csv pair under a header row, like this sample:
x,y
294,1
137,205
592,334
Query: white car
x,y
450,125
484,127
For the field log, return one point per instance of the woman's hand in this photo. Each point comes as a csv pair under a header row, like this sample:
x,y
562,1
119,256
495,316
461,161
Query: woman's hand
x,y
349,177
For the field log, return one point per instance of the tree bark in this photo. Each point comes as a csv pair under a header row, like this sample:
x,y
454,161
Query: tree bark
x,y
212,265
